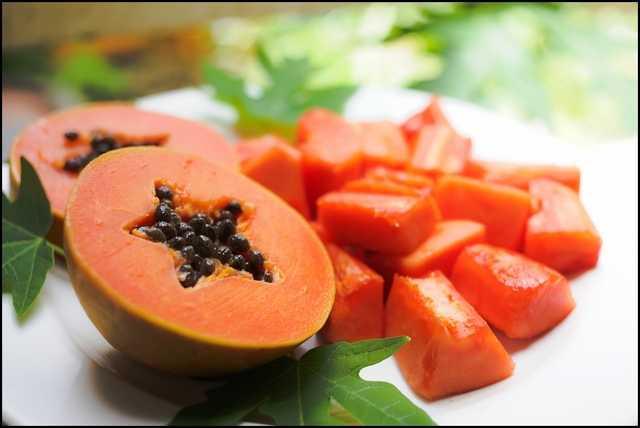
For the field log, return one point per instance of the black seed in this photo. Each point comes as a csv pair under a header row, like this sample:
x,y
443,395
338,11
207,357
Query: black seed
x,y
188,252
166,228
258,275
234,207
187,276
153,233
222,253
87,158
238,244
237,262
198,222
74,164
163,212
103,143
167,202
256,261
71,135
211,231
191,238
196,262
226,214
268,277
205,246
174,219
176,243
206,267
102,148
183,228
164,192
226,228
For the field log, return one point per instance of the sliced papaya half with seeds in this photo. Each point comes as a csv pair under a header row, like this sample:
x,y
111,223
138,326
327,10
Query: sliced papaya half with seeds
x,y
248,281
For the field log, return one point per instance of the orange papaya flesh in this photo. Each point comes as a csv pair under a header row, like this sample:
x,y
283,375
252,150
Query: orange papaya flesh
x,y
439,150
404,178
502,209
45,146
517,295
521,175
370,185
129,288
331,152
358,311
275,164
438,252
383,145
561,234
430,115
452,348
390,224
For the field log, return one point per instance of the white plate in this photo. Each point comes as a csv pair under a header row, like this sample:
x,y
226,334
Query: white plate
x,y
57,369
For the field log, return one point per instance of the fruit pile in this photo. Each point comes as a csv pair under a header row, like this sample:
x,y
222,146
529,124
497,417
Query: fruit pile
x,y
428,242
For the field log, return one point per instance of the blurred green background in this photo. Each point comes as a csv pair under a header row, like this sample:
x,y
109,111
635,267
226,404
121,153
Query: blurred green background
x,y
571,66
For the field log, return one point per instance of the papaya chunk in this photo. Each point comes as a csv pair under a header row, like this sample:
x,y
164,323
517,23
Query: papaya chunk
x,y
439,150
432,114
517,295
370,185
561,234
331,152
358,311
438,252
405,178
502,209
521,175
452,348
390,224
277,165
383,145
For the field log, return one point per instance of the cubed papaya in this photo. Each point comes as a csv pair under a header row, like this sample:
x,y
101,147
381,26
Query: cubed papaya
x,y
561,234
502,209
432,114
371,185
383,144
438,252
452,348
390,224
438,149
521,175
405,178
515,294
275,164
358,309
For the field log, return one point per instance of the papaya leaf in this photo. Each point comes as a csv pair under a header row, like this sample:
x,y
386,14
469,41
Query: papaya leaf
x,y
26,254
302,392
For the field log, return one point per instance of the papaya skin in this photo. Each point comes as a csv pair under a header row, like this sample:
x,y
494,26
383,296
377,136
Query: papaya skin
x,y
191,346
117,117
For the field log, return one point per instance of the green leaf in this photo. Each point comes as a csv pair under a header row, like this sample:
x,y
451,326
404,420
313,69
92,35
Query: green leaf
x,y
305,391
26,254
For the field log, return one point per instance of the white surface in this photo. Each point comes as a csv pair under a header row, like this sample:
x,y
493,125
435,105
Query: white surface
x,y
57,369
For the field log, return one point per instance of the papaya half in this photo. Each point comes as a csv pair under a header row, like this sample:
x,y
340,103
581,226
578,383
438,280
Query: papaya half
x,y
61,144
190,267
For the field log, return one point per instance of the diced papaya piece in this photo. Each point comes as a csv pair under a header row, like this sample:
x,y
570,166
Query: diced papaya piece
x,y
438,149
358,309
319,230
431,115
383,144
560,234
390,224
521,175
515,294
405,178
452,348
438,252
272,162
370,185
331,152
502,209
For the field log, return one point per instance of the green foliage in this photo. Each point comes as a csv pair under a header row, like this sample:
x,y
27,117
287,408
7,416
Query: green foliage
x,y
91,73
303,392
26,254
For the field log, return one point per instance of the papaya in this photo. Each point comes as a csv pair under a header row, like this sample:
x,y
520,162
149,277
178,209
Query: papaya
x,y
438,252
190,267
452,348
331,152
404,178
370,185
561,234
438,149
383,145
521,175
502,209
432,114
517,295
358,310
275,164
59,145
390,224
